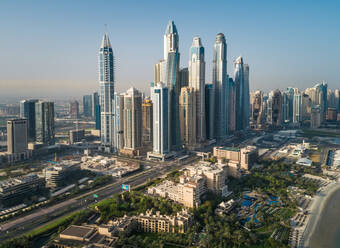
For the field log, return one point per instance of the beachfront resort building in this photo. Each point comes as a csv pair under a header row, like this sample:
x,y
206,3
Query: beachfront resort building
x,y
195,181
155,223
241,158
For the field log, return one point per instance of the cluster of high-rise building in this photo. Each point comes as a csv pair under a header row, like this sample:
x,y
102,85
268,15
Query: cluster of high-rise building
x,y
293,107
183,110
40,120
36,124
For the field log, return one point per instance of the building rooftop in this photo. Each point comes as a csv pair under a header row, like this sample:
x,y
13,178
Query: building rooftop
x,y
304,161
78,231
16,181
233,149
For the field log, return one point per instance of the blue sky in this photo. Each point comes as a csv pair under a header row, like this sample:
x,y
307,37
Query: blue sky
x,y
50,48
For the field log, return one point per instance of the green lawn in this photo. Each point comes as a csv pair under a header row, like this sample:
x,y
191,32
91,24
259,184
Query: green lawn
x,y
61,222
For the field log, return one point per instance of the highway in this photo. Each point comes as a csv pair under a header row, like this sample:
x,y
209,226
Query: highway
x,y
40,217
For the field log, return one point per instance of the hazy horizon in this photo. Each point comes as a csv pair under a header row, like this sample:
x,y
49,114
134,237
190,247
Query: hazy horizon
x,y
50,49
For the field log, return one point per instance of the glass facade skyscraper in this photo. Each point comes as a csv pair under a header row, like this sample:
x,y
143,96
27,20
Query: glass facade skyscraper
x,y
285,107
172,58
246,95
322,87
220,82
118,121
95,102
106,80
187,117
290,98
197,82
210,111
44,122
27,110
132,119
241,75
87,105
232,105
297,107
97,117
161,120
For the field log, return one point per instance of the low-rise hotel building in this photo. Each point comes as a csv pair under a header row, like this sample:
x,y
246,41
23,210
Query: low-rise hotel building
x,y
187,192
244,157
195,181
155,223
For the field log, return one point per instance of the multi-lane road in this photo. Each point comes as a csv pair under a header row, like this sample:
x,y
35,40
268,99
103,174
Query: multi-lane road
x,y
40,217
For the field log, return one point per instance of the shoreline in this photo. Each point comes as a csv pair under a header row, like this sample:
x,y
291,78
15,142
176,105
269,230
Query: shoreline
x,y
315,212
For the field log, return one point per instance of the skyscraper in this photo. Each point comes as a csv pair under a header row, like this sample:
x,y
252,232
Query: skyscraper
x,y
197,83
160,71
132,120
318,95
324,87
160,100
95,103
285,107
44,122
74,110
167,71
187,116
97,117
171,56
16,136
220,82
246,95
106,80
258,113
118,121
183,77
147,122
337,99
170,39
315,119
210,110
241,76
306,107
87,106
232,105
330,98
275,108
289,93
297,107
27,110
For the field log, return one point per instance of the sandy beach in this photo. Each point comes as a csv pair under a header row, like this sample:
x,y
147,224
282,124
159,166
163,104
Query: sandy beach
x,y
316,216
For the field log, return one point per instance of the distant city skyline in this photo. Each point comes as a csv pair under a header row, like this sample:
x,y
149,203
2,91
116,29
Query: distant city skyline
x,y
50,49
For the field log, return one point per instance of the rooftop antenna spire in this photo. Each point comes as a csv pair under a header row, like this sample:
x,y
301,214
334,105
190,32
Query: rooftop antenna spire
x,y
105,28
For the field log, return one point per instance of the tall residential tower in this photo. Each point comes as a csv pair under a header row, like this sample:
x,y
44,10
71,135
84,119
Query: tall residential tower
x,y
106,80
241,75
220,82
161,121
27,110
197,82
171,56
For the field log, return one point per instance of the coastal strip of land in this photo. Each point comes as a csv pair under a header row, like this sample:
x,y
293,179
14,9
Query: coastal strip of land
x,y
315,212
